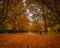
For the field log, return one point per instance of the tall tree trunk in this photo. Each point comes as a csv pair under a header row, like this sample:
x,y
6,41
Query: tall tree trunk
x,y
14,24
44,16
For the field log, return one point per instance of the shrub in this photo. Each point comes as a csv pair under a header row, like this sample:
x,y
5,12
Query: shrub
x,y
2,29
57,28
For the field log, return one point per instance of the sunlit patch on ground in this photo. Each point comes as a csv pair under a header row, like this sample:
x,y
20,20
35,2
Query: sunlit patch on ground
x,y
30,33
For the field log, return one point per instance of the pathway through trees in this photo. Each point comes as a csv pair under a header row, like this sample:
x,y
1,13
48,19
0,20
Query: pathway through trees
x,y
29,40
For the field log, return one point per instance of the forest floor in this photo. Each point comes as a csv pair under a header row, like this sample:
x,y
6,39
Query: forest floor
x,y
29,40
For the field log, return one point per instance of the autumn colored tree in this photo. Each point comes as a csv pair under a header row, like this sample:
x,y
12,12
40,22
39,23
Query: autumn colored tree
x,y
4,10
32,27
22,23
19,14
53,6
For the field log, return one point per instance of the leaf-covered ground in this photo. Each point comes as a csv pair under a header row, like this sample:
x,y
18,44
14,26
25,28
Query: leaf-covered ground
x,y
29,40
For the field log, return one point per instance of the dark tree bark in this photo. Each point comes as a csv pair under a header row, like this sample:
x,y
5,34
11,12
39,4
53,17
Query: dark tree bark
x,y
44,16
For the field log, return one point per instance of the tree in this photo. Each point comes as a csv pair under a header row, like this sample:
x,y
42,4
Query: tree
x,y
4,10
53,6
22,23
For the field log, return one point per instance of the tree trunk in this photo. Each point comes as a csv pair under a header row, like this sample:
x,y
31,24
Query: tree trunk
x,y
44,16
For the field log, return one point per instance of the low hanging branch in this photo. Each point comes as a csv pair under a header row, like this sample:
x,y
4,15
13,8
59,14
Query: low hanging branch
x,y
53,5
